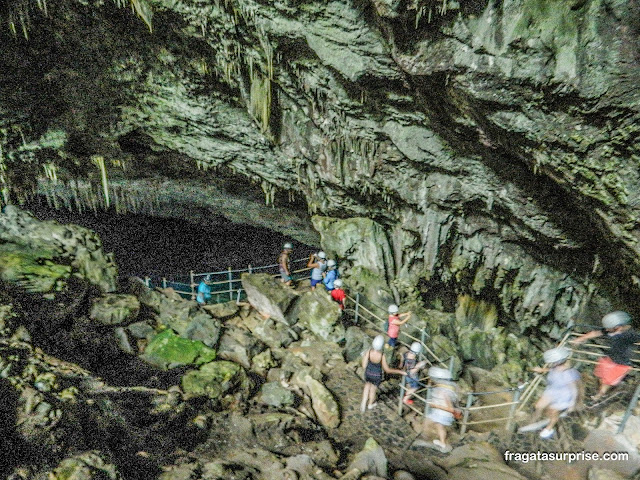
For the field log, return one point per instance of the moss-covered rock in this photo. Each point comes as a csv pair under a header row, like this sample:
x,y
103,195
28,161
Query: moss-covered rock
x,y
115,309
216,380
85,466
168,350
318,313
268,295
33,270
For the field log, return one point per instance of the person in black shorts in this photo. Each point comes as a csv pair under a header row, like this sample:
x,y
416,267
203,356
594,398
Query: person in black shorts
x,y
374,363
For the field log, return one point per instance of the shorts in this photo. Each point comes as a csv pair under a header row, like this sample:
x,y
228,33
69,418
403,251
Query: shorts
x,y
284,276
392,341
315,282
440,416
412,382
609,372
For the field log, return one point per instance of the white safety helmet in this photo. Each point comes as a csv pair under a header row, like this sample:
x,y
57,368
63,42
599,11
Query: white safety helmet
x,y
615,319
439,373
378,343
321,255
393,309
288,246
207,278
337,283
416,347
556,355
331,263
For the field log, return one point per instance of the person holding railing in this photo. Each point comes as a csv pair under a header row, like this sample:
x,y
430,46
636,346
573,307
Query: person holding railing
x,y
330,275
338,294
318,263
374,363
409,363
393,324
443,400
562,393
612,369
204,291
284,264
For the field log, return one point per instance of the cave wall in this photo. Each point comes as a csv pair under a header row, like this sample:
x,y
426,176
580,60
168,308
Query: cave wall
x,y
494,144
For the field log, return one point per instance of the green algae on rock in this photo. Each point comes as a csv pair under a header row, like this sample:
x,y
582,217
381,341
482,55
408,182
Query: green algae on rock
x,y
168,350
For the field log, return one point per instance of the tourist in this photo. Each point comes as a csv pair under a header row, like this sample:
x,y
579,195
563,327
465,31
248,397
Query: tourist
x,y
318,264
330,275
284,264
204,291
562,392
410,364
338,294
394,323
442,403
374,362
612,369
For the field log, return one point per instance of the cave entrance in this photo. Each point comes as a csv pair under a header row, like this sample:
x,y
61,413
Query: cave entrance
x,y
159,247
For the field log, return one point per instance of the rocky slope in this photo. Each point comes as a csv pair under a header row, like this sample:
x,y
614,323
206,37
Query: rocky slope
x,y
484,149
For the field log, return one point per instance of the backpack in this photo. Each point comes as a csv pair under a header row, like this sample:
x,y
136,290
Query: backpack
x,y
386,326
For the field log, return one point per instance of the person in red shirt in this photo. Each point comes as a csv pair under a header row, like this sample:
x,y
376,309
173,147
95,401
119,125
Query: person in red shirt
x,y
395,321
337,294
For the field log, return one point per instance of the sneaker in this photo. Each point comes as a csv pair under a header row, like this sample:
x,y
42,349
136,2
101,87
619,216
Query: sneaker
x,y
373,405
443,447
534,426
407,401
387,347
547,433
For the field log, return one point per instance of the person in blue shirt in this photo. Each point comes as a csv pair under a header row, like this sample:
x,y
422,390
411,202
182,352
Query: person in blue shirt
x,y
204,291
330,275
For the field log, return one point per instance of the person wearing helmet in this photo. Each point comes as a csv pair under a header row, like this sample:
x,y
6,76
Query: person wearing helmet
x,y
338,294
562,392
318,264
374,363
442,405
612,369
409,363
284,264
330,275
204,291
394,323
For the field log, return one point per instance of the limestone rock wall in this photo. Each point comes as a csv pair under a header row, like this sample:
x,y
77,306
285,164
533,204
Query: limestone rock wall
x,y
494,143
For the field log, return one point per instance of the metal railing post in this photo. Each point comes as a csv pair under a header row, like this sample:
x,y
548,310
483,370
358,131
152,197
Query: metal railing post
x,y
451,365
147,282
512,411
164,282
249,269
402,388
238,297
423,336
230,275
465,418
627,413
357,307
193,285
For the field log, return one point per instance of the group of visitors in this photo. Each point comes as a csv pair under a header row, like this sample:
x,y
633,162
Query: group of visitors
x,y
564,390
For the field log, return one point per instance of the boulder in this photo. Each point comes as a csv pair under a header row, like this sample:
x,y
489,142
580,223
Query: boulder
x,y
316,312
80,245
222,310
357,342
323,355
478,461
268,295
263,362
321,452
606,439
141,330
33,270
115,309
168,350
122,340
183,471
370,460
216,380
274,333
85,466
275,395
238,345
202,327
604,474
324,405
